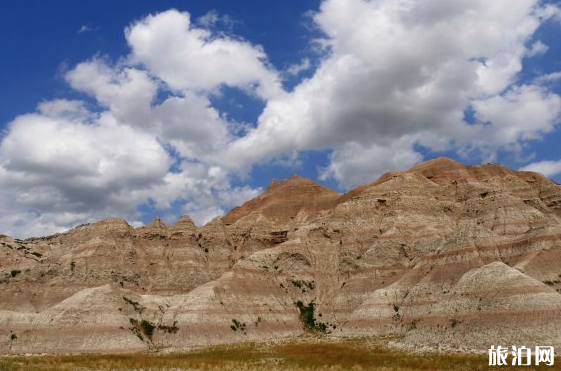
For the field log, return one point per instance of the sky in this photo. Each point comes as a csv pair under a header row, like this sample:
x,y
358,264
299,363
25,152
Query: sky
x,y
137,109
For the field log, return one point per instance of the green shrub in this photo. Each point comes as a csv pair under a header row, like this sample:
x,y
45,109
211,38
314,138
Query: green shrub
x,y
144,327
147,327
136,305
308,319
169,329
237,325
301,284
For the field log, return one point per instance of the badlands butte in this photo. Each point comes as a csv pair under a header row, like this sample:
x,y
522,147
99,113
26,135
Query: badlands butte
x,y
446,255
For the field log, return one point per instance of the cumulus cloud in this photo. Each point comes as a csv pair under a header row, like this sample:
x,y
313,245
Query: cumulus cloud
x,y
353,163
191,125
127,92
398,70
537,48
59,168
526,112
73,162
186,57
547,168
296,69
206,191
550,77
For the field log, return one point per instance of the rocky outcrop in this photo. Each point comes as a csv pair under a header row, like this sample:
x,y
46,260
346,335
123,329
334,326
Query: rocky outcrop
x,y
450,256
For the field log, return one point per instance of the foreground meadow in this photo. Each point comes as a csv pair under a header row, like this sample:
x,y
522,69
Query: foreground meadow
x,y
301,354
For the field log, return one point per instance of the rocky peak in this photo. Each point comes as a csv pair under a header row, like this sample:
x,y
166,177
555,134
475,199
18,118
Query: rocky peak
x,y
106,226
157,223
442,170
283,200
185,221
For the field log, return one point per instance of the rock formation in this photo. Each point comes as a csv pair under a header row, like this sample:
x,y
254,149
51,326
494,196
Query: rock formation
x,y
450,256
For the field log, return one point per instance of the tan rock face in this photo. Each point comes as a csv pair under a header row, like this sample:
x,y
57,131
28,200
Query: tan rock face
x,y
451,256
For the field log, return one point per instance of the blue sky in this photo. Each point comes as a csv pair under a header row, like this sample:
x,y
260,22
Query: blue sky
x,y
144,108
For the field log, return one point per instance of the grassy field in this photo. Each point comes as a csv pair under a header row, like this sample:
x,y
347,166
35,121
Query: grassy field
x,y
301,354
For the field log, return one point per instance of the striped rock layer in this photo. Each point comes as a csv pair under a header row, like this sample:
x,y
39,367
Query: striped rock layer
x,y
447,255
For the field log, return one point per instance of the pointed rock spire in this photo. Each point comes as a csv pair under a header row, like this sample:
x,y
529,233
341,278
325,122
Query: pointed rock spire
x,y
185,221
157,223
185,224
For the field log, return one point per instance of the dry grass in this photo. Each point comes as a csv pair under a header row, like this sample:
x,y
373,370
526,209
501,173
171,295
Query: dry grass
x,y
302,354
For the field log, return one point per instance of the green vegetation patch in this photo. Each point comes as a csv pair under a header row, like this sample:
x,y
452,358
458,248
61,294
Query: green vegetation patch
x,y
308,318
237,325
142,328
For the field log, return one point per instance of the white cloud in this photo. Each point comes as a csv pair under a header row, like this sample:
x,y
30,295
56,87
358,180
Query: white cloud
x,y
537,48
549,11
127,92
296,69
63,108
85,28
206,190
354,163
523,113
189,58
547,168
64,171
208,19
212,18
85,156
399,69
191,125
550,77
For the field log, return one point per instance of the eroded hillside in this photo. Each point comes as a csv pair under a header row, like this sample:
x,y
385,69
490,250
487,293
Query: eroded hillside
x,y
448,255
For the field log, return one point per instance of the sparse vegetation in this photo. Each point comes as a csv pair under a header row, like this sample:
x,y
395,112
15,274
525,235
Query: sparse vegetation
x,y
301,284
308,319
142,328
413,324
13,337
454,322
136,305
169,329
136,329
147,328
237,325
367,354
